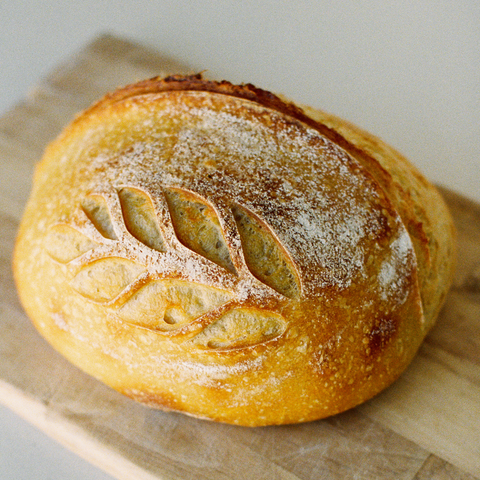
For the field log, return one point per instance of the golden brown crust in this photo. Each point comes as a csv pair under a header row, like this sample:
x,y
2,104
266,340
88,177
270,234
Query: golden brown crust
x,y
409,190
211,248
421,206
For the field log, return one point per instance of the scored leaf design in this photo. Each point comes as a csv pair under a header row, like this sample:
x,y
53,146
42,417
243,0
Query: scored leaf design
x,y
95,207
64,243
212,302
140,218
198,228
240,328
265,258
170,304
105,279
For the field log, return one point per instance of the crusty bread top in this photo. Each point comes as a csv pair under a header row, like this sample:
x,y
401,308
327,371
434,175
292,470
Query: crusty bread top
x,y
193,243
419,204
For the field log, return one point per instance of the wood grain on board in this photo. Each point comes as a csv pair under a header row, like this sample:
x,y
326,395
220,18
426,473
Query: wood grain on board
x,y
426,425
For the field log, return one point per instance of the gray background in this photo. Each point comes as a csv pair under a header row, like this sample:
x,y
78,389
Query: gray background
x,y
408,71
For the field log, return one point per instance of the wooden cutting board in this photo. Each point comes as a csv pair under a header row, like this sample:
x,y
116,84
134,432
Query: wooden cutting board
x,y
426,426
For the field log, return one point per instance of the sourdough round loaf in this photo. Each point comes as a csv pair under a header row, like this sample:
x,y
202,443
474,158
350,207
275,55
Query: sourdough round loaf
x,y
216,250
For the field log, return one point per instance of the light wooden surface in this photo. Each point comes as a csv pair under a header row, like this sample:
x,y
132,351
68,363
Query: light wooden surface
x,y
426,426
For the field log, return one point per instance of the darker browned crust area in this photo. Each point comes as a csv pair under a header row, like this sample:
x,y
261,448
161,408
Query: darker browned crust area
x,y
246,91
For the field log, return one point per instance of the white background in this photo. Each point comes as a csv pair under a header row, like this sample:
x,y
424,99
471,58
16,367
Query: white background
x,y
408,71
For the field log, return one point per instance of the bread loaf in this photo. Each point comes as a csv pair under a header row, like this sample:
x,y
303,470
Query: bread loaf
x,y
217,250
